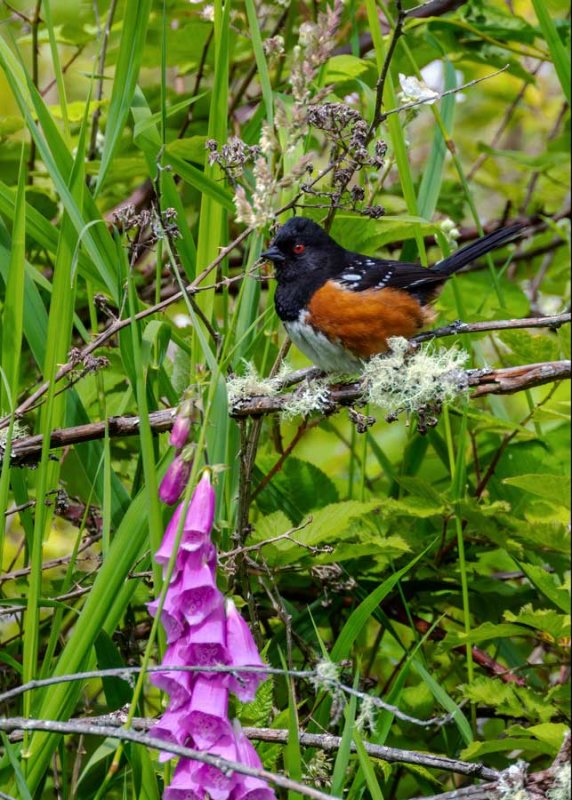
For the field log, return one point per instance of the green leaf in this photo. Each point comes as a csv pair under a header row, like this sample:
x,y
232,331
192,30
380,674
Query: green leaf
x,y
326,526
10,750
554,488
548,584
260,59
314,489
543,162
508,698
551,625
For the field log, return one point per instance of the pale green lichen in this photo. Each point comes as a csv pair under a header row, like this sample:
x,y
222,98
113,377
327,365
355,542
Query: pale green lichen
x,y
243,387
326,676
560,789
18,432
512,783
312,397
402,380
365,720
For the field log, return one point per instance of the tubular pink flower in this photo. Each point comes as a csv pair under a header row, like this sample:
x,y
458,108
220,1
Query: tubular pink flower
x,y
171,728
197,526
207,720
206,643
192,595
213,781
202,633
200,515
174,481
177,684
180,431
248,787
163,554
243,653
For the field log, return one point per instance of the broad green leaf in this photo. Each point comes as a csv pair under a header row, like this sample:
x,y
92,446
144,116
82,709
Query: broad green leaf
x,y
547,623
554,488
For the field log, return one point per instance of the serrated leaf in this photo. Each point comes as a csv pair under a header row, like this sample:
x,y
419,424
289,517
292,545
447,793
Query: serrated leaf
x,y
483,633
552,625
326,526
552,733
314,489
547,583
258,713
554,488
508,698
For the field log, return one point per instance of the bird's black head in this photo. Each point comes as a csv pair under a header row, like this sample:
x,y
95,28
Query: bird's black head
x,y
303,247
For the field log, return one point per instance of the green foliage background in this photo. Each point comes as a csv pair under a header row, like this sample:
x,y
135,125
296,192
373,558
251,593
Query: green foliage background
x,y
474,513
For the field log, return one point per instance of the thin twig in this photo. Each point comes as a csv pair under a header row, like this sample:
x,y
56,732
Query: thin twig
x,y
553,322
92,150
129,735
54,562
328,743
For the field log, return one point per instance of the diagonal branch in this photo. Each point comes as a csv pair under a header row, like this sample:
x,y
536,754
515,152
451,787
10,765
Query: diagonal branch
x,y
27,449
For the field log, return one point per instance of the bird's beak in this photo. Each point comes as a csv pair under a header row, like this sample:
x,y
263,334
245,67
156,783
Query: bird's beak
x,y
273,254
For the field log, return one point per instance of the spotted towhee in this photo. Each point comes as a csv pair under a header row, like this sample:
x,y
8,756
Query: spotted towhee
x,y
340,308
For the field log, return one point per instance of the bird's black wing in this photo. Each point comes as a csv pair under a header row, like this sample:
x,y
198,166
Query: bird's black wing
x,y
362,272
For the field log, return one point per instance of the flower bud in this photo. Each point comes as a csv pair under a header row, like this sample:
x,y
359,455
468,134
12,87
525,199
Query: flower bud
x,y
175,479
180,431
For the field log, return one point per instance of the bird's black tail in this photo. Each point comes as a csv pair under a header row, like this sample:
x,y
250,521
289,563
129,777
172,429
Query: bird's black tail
x,y
477,249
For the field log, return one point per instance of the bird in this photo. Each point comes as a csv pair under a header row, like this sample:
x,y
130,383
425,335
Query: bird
x,y
340,307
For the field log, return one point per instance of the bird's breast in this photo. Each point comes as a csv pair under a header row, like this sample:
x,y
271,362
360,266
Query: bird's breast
x,y
363,321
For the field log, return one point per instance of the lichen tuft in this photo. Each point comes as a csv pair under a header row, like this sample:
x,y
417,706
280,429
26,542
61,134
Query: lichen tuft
x,y
404,381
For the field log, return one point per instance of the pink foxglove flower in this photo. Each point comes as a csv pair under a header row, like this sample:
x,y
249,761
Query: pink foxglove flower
x,y
175,480
248,787
202,632
208,720
197,526
243,653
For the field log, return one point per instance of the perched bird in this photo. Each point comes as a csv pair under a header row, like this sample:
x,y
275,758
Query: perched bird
x,y
340,307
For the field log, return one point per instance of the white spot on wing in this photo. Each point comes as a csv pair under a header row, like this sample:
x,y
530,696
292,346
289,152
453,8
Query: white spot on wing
x,y
350,276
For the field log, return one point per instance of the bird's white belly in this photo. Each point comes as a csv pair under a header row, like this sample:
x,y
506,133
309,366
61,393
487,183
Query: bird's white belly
x,y
328,355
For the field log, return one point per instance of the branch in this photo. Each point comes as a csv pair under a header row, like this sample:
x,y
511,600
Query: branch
x,y
129,735
325,742
27,449
484,381
553,322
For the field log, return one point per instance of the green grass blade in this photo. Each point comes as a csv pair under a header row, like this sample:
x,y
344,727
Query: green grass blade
x,y
394,127
13,312
52,414
344,752
263,76
128,543
560,55
362,613
131,48
432,179
59,163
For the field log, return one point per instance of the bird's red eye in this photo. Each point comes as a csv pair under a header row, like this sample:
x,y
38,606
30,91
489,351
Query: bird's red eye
x,y
298,248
